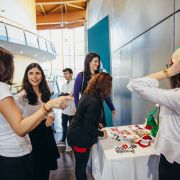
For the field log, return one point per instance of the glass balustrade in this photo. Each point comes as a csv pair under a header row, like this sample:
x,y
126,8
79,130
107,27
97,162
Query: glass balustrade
x,y
3,34
17,35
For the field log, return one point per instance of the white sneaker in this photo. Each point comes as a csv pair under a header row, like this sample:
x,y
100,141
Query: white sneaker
x,y
68,149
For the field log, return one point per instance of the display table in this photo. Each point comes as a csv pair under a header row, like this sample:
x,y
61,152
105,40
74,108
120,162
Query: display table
x,y
127,154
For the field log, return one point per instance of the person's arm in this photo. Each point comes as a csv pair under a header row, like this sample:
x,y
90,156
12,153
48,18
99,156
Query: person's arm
x,y
111,106
21,125
91,116
50,119
147,87
77,88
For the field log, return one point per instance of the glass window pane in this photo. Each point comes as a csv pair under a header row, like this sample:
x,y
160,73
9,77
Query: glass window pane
x,y
68,35
79,64
42,44
15,35
69,62
31,40
56,35
79,34
3,35
57,64
68,48
45,34
79,48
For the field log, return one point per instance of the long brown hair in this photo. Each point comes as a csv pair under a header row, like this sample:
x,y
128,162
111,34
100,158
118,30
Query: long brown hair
x,y
100,85
6,66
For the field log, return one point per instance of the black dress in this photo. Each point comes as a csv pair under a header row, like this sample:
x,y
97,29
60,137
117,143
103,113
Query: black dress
x,y
45,151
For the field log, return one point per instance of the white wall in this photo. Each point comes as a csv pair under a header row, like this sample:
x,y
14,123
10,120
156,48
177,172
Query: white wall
x,y
22,12
21,62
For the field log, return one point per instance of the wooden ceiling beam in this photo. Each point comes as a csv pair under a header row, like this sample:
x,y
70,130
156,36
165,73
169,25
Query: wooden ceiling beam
x,y
48,27
47,2
75,6
54,9
42,8
60,22
65,7
57,17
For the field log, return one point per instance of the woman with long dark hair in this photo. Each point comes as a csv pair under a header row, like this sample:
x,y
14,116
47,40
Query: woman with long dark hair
x,y
91,68
84,128
168,139
15,146
33,94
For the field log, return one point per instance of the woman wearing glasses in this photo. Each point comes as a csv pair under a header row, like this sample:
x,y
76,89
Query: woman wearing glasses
x,y
168,138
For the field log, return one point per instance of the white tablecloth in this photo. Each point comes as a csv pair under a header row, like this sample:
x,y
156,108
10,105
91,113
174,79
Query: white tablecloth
x,y
110,165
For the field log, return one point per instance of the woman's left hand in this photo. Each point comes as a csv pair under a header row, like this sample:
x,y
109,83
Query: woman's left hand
x,y
49,121
113,114
100,126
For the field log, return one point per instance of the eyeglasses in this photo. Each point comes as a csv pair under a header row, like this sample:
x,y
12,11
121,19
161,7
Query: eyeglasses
x,y
168,65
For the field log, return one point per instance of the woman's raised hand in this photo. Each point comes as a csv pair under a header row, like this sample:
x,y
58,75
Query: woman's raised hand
x,y
175,68
60,102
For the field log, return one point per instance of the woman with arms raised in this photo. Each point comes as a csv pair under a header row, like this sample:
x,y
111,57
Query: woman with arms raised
x,y
168,139
15,147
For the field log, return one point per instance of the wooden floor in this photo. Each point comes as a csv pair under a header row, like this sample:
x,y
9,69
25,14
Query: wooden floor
x,y
66,165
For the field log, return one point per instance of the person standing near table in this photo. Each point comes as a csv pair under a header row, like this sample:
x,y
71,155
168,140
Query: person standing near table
x,y
33,94
167,139
15,146
67,113
84,130
91,68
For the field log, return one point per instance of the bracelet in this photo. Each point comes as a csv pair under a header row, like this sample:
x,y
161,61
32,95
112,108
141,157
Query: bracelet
x,y
45,110
165,72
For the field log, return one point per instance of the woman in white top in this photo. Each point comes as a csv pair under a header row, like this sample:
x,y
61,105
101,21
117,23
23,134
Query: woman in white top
x,y
34,93
168,137
15,147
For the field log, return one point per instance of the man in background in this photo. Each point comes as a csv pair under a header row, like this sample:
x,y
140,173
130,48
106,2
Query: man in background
x,y
67,113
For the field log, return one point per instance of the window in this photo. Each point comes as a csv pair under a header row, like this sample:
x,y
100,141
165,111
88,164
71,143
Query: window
x,y
70,49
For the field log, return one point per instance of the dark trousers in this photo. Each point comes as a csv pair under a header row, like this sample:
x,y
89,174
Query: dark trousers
x,y
81,164
41,172
167,170
16,168
65,119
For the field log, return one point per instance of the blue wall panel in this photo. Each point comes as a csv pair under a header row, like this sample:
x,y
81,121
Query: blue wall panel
x,y
98,41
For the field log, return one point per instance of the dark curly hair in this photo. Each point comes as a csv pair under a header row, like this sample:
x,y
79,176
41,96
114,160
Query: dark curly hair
x,y
100,85
43,87
89,57
6,66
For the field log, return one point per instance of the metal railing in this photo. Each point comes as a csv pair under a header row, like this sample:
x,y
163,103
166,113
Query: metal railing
x,y
15,34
